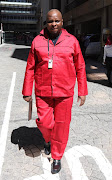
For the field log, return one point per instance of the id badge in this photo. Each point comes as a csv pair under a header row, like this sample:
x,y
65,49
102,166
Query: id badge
x,y
50,64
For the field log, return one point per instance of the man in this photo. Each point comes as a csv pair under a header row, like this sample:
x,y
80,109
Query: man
x,y
85,43
107,58
54,61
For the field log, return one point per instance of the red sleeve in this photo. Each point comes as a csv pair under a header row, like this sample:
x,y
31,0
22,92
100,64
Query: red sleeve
x,y
29,74
80,70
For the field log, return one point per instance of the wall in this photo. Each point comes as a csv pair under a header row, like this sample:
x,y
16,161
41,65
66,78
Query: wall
x,y
89,11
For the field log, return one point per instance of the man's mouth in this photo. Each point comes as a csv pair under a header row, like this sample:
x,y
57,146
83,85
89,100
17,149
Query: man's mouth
x,y
54,28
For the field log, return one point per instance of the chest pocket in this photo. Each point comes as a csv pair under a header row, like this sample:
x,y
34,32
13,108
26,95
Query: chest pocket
x,y
41,52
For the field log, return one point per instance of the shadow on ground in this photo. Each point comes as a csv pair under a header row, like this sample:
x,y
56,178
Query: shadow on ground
x,y
30,139
96,72
21,54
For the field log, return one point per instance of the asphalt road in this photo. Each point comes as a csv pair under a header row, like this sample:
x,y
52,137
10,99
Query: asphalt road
x,y
88,154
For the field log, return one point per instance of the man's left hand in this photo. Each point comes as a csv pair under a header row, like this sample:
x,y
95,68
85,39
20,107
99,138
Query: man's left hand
x,y
81,99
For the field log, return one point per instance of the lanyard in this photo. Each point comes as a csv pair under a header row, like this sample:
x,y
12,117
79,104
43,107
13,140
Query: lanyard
x,y
48,46
53,43
50,61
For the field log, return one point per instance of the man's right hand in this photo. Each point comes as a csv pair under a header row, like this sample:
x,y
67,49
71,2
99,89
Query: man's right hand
x,y
27,98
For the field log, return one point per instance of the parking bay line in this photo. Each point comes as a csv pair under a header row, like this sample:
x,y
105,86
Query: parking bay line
x,y
74,154
5,125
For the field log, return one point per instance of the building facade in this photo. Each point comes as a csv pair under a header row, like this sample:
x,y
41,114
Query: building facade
x,y
20,16
80,16
87,16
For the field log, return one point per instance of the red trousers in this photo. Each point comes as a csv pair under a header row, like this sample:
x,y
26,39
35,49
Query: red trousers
x,y
54,116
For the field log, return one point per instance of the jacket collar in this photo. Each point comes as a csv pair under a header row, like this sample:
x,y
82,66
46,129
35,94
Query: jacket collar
x,y
63,35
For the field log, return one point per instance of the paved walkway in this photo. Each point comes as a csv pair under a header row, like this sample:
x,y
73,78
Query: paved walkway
x,y
88,154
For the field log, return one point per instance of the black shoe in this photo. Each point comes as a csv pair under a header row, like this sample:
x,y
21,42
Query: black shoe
x,y
55,166
47,148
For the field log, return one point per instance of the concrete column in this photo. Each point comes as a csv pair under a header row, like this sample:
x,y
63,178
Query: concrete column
x,y
104,22
110,18
44,9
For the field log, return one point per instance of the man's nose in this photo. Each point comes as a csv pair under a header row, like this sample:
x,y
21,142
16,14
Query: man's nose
x,y
53,23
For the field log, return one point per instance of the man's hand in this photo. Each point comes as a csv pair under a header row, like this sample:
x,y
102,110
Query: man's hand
x,y
81,99
27,98
104,63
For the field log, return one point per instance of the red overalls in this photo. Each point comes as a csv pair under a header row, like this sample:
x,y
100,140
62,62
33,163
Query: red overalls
x,y
54,88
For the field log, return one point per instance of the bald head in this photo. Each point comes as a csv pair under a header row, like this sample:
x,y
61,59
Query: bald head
x,y
53,12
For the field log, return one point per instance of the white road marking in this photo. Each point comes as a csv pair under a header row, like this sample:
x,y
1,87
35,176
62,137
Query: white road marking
x,y
47,172
73,156
75,165
4,130
1,45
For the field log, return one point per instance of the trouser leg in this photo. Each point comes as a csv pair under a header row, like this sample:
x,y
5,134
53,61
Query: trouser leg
x,y
54,116
60,131
45,120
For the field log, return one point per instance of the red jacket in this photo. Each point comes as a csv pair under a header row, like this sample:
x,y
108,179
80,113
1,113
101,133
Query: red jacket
x,y
68,63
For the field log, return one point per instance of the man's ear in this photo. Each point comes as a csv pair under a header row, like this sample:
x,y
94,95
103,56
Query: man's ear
x,y
62,22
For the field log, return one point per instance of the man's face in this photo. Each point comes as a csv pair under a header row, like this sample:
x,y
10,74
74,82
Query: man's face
x,y
54,23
